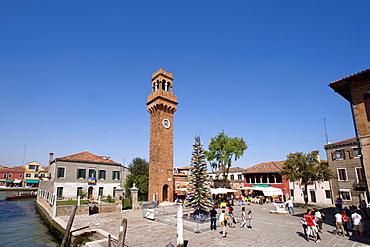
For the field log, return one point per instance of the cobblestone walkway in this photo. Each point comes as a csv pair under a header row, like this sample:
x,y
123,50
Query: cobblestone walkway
x,y
269,229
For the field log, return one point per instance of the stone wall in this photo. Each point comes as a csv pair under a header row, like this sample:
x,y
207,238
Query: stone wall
x,y
84,209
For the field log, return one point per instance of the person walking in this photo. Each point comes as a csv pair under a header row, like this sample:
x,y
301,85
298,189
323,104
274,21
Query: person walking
x,y
338,223
357,224
363,207
213,214
223,221
319,218
231,216
311,226
250,217
345,222
305,227
244,218
289,205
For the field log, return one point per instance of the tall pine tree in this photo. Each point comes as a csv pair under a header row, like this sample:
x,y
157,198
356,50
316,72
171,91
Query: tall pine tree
x,y
198,195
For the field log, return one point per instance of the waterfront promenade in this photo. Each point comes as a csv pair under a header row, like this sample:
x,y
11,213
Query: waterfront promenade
x,y
269,229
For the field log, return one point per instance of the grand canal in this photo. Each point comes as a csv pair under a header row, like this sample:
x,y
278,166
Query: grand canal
x,y
21,225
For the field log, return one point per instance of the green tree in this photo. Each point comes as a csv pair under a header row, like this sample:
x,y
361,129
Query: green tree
x,y
222,151
306,169
138,175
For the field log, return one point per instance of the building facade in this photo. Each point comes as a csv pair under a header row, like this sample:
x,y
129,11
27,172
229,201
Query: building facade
x,y
344,160
33,173
12,176
267,174
83,174
356,90
235,178
161,106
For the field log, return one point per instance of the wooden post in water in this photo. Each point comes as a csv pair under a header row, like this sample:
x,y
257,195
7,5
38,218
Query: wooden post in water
x,y
122,233
69,226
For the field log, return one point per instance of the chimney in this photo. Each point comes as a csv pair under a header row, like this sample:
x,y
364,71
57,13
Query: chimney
x,y
51,157
317,154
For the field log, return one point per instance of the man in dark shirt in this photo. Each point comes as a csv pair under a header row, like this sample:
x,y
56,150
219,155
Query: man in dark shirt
x,y
213,214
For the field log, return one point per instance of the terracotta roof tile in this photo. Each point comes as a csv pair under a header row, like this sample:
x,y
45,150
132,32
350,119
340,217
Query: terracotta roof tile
x,y
16,168
268,167
347,141
87,157
232,169
184,168
351,76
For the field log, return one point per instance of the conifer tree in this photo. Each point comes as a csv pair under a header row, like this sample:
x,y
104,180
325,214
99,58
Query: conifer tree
x,y
198,195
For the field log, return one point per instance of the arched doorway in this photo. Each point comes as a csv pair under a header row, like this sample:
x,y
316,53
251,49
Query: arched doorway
x,y
90,192
165,192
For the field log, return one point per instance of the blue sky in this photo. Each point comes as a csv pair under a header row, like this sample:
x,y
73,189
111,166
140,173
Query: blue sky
x,y
75,75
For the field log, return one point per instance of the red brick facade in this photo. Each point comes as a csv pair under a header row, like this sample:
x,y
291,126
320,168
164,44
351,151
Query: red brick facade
x,y
161,106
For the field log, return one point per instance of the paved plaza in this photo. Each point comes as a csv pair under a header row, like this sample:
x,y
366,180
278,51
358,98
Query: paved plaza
x,y
269,229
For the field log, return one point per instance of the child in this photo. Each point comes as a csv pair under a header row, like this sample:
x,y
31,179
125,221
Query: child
x,y
250,220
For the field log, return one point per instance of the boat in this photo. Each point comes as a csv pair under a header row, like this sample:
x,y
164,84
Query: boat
x,y
21,195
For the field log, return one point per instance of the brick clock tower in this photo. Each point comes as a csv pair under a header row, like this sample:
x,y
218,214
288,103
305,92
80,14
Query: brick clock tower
x,y
161,106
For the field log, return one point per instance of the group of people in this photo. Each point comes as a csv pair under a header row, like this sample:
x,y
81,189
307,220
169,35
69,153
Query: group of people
x,y
349,219
257,199
312,224
229,219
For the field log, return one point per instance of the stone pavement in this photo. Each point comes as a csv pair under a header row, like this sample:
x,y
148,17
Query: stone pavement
x,y
269,229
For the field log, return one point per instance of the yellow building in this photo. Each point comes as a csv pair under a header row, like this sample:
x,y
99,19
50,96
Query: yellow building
x,y
33,173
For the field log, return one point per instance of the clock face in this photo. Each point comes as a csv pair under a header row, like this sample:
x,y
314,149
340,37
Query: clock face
x,y
166,123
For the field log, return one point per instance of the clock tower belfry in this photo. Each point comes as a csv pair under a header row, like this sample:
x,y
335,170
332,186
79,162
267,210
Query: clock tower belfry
x,y
161,106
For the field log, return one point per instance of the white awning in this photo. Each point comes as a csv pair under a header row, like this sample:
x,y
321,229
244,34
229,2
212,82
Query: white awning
x,y
17,181
267,191
222,191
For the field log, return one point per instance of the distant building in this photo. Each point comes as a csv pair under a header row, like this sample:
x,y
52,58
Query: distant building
x,y
267,174
356,90
12,177
33,173
180,176
83,174
344,160
235,178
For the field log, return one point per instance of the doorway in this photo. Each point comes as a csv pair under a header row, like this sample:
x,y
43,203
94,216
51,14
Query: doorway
x,y
90,192
313,196
165,192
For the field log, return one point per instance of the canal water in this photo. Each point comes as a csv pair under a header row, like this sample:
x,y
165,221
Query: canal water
x,y
21,225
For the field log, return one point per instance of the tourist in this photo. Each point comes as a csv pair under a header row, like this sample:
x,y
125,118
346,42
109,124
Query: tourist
x,y
223,221
240,199
289,205
311,226
232,221
250,227
305,227
319,218
213,214
345,222
338,202
357,224
338,223
244,218
363,207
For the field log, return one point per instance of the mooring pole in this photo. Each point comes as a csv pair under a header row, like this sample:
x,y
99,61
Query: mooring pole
x,y
122,233
69,226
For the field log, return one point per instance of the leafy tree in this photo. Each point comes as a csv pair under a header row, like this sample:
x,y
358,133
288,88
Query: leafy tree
x,y
222,151
306,169
138,175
